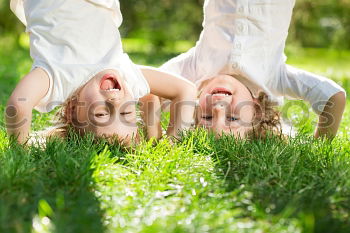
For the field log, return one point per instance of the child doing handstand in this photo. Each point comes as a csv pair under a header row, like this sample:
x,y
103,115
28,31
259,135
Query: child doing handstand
x,y
79,62
239,67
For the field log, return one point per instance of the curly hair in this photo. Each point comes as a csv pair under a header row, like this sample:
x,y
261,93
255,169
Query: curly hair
x,y
267,120
64,117
66,123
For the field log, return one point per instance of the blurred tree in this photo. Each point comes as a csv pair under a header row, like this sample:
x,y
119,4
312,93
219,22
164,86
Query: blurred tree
x,y
162,21
8,21
323,23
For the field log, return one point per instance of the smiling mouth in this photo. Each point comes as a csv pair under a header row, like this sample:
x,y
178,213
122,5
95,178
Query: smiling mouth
x,y
221,92
109,82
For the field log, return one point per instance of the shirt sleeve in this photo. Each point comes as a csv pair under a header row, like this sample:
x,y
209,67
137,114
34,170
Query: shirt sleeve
x,y
183,65
17,8
299,84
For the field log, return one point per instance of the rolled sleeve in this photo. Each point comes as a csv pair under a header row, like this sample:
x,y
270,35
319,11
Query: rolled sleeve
x,y
299,84
320,94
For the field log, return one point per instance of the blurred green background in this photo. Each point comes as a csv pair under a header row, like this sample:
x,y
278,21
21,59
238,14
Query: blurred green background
x,y
154,31
322,24
161,24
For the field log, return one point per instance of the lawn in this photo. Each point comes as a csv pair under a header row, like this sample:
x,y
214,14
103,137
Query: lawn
x,y
198,184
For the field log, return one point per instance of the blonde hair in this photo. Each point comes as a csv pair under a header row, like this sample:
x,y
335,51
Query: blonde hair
x,y
267,120
64,117
66,123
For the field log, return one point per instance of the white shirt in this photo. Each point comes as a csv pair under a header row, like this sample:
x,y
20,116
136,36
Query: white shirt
x,y
246,39
72,40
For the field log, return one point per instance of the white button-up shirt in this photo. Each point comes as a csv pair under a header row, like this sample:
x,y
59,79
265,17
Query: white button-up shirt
x,y
246,39
72,40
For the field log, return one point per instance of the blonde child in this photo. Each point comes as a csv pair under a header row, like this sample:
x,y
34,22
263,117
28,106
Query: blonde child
x,y
238,65
79,62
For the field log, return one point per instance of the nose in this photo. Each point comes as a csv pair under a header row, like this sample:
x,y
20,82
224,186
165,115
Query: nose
x,y
219,113
218,110
115,102
114,99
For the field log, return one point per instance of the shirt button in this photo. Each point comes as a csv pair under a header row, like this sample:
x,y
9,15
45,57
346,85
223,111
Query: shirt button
x,y
235,65
238,45
240,27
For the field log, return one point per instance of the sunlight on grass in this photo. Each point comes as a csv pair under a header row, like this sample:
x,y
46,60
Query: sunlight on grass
x,y
42,222
171,198
198,184
3,140
328,62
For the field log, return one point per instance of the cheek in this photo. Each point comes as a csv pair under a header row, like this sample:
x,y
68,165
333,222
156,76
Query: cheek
x,y
127,105
91,98
89,94
132,117
203,103
246,114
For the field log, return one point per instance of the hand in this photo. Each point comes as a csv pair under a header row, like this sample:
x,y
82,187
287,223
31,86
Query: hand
x,y
151,114
180,91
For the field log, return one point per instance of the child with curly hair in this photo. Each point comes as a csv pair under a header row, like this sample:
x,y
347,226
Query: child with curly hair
x,y
239,67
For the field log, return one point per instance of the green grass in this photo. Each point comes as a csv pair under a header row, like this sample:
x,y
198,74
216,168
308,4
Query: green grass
x,y
199,184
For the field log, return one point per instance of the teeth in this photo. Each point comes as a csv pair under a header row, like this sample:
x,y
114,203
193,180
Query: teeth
x,y
113,89
220,94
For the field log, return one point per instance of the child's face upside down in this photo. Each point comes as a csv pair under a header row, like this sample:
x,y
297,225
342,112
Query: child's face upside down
x,y
226,106
106,108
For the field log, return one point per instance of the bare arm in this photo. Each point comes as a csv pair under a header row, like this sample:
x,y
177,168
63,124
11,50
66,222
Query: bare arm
x,y
181,92
330,118
151,110
317,90
27,94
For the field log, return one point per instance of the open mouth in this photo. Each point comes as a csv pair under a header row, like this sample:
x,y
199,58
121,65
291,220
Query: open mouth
x,y
221,92
109,83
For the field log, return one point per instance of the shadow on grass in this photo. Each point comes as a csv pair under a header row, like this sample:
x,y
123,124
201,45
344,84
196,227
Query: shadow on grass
x,y
50,188
305,177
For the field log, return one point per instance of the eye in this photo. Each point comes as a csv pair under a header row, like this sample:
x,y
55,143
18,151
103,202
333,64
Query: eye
x,y
207,118
232,118
125,113
101,114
